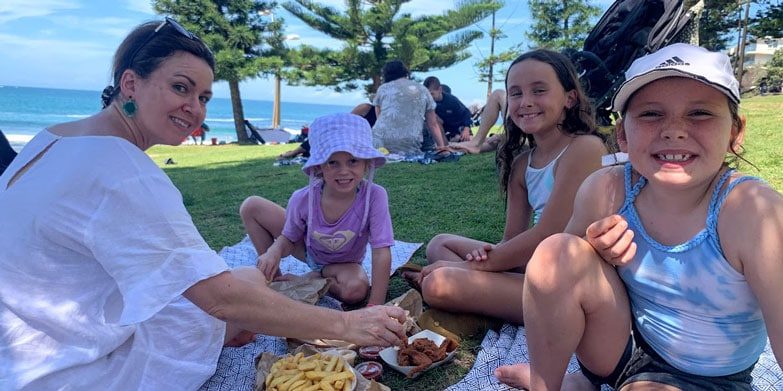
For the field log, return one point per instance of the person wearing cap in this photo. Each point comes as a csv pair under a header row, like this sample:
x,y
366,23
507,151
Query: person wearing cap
x,y
329,222
668,274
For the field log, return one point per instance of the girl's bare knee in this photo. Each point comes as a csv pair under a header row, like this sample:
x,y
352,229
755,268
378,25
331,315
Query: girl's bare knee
x,y
436,286
552,262
250,206
436,248
353,291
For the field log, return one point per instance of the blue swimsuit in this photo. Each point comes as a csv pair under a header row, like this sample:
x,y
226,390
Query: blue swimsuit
x,y
695,310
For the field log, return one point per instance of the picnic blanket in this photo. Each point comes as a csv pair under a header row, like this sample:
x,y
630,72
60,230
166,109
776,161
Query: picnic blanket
x,y
236,366
509,346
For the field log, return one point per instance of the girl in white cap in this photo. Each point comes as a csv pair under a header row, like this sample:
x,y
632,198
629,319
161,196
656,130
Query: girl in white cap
x,y
676,282
329,222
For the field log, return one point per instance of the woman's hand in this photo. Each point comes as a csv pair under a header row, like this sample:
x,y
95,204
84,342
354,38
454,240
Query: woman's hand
x,y
612,239
480,254
269,265
378,325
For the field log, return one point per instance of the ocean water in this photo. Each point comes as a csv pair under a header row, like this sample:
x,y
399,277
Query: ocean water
x,y
24,111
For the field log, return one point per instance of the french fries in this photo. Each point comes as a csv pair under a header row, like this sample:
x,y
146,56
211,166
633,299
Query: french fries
x,y
319,372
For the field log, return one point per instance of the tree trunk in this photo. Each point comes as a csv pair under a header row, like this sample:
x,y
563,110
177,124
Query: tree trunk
x,y
239,114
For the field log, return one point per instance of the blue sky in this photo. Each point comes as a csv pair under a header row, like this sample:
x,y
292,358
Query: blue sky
x,y
69,44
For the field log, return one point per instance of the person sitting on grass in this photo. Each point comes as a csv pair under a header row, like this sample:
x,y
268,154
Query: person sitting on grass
x,y
488,115
105,283
452,113
668,275
549,110
329,222
402,107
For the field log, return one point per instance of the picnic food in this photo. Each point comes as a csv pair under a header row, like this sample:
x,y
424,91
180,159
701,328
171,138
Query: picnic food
x,y
370,369
324,372
370,352
422,352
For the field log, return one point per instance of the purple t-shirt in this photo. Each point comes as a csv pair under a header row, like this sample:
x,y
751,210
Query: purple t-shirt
x,y
343,241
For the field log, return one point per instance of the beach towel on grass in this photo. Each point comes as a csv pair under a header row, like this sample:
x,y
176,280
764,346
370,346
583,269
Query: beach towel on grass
x,y
509,346
236,366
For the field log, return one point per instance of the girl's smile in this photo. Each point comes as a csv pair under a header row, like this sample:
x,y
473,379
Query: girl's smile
x,y
677,128
178,91
343,172
536,99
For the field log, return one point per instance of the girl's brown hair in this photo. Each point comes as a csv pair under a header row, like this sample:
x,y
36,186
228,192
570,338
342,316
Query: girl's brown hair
x,y
579,119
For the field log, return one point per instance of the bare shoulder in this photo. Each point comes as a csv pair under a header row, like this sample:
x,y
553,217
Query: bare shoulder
x,y
752,196
750,202
605,179
584,148
520,161
750,223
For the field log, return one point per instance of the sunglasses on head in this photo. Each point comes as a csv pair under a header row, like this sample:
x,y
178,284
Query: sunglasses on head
x,y
167,21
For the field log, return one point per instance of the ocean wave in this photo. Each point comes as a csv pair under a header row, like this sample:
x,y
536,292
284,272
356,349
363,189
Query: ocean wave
x,y
77,115
251,119
19,138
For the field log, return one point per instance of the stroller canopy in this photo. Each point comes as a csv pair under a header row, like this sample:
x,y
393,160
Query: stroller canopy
x,y
628,30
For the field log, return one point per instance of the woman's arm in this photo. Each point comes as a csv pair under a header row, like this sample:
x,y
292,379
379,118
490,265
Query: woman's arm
x,y
582,158
381,268
241,298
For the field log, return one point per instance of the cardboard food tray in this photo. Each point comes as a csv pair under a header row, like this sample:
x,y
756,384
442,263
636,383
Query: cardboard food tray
x,y
389,355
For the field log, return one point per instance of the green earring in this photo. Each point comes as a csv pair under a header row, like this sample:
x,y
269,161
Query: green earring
x,y
129,108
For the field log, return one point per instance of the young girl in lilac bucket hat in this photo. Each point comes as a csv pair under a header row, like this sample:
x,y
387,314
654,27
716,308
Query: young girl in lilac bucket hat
x,y
329,222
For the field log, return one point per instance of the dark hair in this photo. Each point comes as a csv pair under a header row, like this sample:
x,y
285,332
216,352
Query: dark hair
x,y
431,82
579,119
394,70
446,88
143,53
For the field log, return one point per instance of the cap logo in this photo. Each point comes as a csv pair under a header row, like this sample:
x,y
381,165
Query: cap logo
x,y
673,62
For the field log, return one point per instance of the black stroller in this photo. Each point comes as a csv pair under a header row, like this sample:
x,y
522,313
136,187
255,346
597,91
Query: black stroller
x,y
628,30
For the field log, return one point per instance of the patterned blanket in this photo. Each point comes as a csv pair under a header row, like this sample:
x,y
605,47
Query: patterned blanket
x,y
236,366
509,346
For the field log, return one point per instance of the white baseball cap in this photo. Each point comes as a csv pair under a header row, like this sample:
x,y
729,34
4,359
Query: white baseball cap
x,y
679,60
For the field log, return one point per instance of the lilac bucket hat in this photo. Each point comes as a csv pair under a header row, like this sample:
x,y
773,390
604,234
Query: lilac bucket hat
x,y
342,132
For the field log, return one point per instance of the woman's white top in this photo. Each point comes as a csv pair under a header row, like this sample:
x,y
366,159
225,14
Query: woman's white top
x,y
96,249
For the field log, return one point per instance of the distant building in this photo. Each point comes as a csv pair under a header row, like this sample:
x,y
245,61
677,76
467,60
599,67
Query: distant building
x,y
761,51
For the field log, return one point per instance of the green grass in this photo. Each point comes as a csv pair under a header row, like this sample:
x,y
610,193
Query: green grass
x,y
425,200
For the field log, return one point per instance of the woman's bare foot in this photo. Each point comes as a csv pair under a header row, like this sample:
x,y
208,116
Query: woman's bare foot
x,y
517,375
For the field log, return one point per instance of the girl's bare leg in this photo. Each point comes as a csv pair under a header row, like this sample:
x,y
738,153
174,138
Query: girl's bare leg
x,y
486,293
496,105
453,248
349,282
263,221
574,302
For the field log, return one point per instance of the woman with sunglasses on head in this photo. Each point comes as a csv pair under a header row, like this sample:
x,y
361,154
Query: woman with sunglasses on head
x,y
105,283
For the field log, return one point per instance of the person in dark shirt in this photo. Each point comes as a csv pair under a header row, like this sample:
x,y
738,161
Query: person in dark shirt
x,y
455,116
7,154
